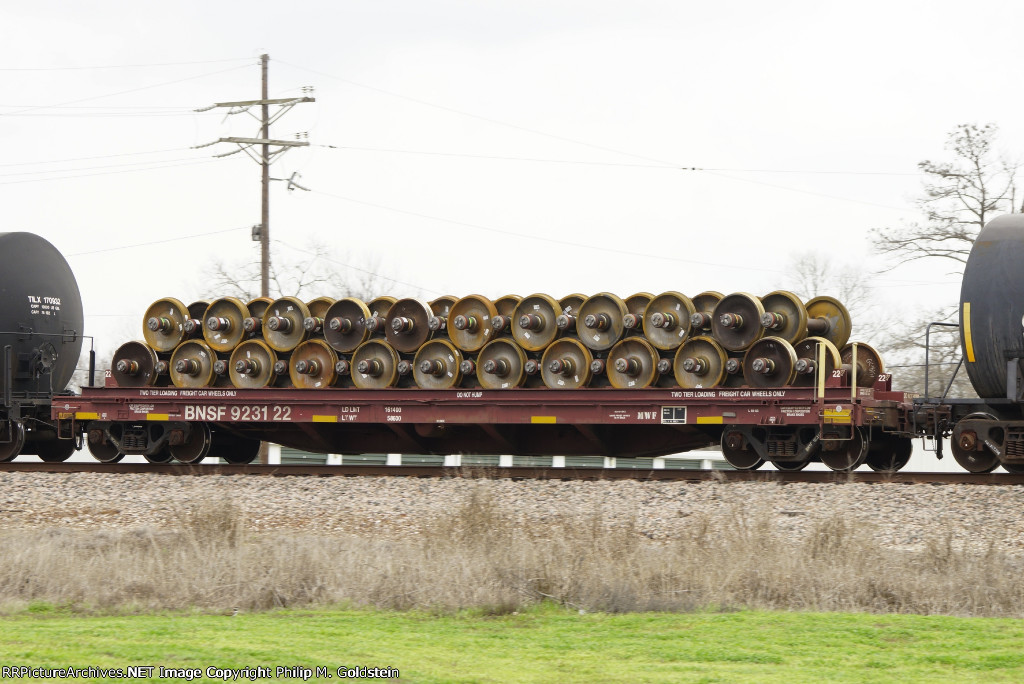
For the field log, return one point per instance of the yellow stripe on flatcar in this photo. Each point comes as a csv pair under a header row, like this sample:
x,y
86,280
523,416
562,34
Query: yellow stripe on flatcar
x,y
325,419
838,416
543,419
710,420
157,416
86,415
968,341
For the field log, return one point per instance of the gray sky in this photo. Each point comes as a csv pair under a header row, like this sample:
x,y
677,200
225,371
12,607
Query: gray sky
x,y
807,118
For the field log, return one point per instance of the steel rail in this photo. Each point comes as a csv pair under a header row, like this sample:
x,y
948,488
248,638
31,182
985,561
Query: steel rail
x,y
517,473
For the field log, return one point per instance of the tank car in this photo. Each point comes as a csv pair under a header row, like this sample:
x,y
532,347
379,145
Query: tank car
x,y
41,328
989,431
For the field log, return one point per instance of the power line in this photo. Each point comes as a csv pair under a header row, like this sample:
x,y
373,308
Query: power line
x,y
125,66
810,192
569,243
106,173
124,92
104,156
482,118
601,163
106,166
156,242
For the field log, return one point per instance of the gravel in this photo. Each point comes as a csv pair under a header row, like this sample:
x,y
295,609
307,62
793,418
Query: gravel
x,y
899,515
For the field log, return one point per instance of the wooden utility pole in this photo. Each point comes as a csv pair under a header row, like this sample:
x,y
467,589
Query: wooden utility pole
x,y
264,158
265,204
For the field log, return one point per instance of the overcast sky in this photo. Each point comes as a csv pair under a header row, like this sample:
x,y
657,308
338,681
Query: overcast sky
x,y
493,147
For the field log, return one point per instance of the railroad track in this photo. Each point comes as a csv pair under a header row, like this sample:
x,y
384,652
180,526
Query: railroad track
x,y
518,473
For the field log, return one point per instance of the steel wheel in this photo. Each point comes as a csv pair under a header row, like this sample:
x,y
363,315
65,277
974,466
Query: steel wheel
x,y
739,452
160,457
11,447
844,454
195,448
963,444
889,454
56,451
973,461
791,466
234,449
102,449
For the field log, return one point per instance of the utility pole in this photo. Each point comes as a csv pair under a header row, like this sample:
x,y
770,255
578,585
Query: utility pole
x,y
264,158
265,200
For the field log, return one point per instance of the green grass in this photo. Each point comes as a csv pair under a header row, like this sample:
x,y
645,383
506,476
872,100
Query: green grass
x,y
544,644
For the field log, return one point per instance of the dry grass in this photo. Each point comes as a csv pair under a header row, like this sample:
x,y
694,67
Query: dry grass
x,y
480,559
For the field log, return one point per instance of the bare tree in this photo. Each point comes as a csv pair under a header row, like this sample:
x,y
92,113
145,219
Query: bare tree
x,y
960,196
314,272
812,274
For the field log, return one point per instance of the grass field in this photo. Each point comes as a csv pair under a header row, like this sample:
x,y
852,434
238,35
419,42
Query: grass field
x,y
543,644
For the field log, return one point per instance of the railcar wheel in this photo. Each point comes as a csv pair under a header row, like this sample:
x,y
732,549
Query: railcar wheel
x,y
56,451
963,444
791,466
739,452
159,458
844,454
10,449
1015,468
889,454
102,449
234,450
194,449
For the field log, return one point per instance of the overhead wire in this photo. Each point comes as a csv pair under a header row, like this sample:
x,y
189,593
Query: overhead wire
x,y
91,158
125,92
126,66
585,162
154,167
156,242
581,245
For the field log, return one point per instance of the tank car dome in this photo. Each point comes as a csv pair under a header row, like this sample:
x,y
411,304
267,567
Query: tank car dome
x,y
41,317
992,304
